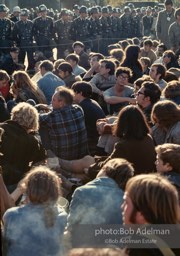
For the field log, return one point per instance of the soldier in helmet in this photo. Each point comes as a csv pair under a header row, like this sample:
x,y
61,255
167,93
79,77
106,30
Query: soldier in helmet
x,y
15,16
94,28
75,11
6,27
80,27
23,36
136,24
62,28
106,28
43,30
126,23
116,25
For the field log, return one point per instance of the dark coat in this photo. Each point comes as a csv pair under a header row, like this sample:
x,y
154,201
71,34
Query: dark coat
x,y
19,149
141,153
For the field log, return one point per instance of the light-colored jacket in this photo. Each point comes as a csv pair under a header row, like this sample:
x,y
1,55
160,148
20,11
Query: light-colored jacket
x,y
163,25
174,36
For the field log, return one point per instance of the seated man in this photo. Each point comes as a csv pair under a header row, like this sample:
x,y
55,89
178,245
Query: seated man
x,y
78,48
73,59
95,66
157,73
92,111
138,208
168,163
9,62
65,72
120,94
98,201
147,96
146,50
63,129
49,82
105,79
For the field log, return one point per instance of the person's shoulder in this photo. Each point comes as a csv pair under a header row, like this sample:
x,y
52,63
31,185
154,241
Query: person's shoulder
x,y
49,18
10,213
128,88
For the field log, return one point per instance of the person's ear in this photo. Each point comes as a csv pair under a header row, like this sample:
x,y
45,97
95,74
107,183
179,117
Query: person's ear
x,y
140,219
168,167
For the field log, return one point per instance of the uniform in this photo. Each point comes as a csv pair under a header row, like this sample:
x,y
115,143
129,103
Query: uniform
x,y
43,30
126,25
80,28
61,29
23,36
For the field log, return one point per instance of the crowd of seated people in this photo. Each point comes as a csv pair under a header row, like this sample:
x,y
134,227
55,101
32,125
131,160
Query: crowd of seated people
x,y
79,129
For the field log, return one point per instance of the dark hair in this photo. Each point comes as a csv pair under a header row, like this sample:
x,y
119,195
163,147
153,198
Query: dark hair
x,y
65,66
120,170
131,124
141,80
73,57
160,69
4,75
168,2
166,113
122,70
177,13
131,57
109,65
124,44
148,42
172,90
170,77
98,55
173,62
78,43
162,46
146,60
170,153
136,41
47,65
84,87
152,91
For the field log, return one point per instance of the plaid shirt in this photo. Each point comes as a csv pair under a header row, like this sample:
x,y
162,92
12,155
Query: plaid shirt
x,y
67,132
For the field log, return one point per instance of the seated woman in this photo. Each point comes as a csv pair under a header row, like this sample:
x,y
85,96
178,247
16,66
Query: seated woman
x,y
24,90
135,144
4,85
170,59
20,148
41,222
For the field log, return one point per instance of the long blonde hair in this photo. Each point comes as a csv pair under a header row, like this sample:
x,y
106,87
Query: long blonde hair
x,y
22,81
43,188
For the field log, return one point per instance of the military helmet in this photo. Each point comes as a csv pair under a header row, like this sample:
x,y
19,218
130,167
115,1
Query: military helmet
x,y
94,10
3,8
42,8
83,9
105,10
24,12
64,12
76,7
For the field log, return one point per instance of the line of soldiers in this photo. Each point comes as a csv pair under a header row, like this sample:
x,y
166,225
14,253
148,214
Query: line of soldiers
x,y
106,24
